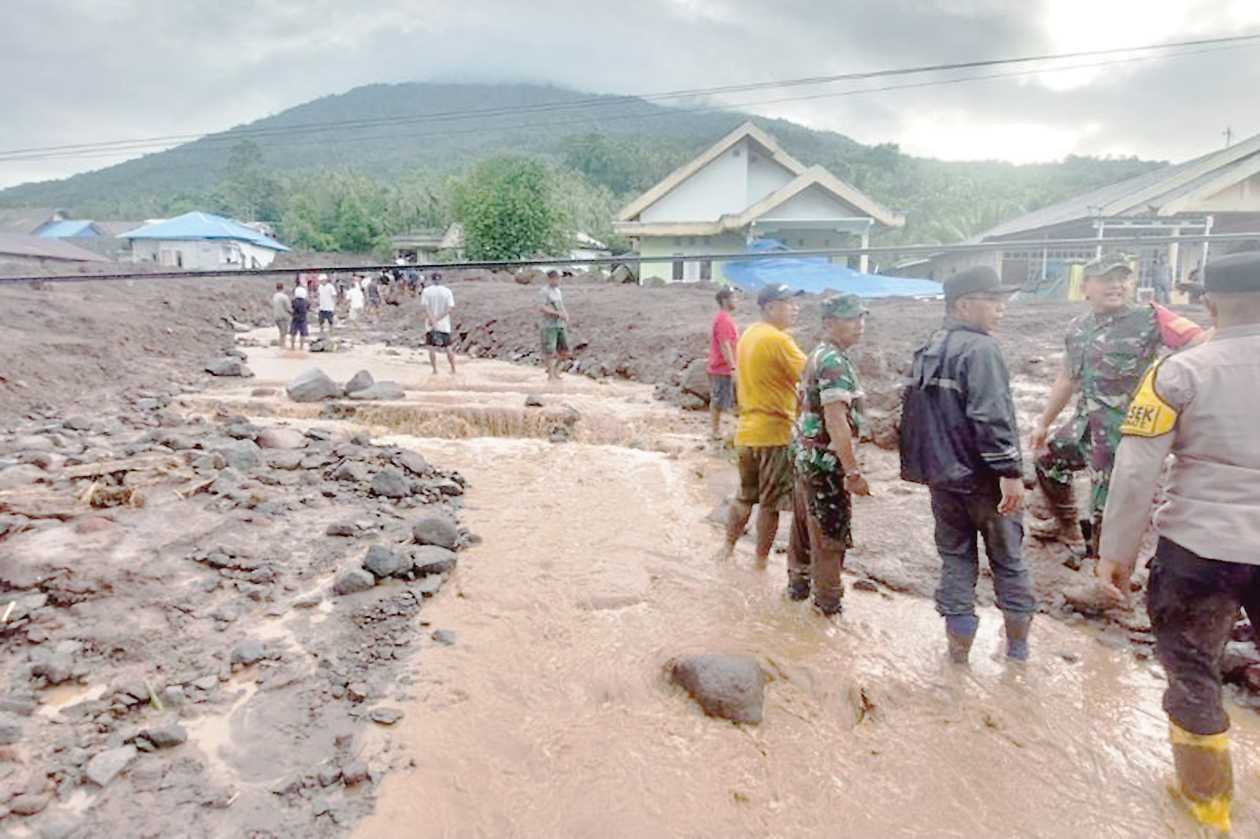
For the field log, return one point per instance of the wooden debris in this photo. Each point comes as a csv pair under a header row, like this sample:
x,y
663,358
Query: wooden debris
x,y
151,462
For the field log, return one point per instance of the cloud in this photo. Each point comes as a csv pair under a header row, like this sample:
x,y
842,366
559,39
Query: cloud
x,y
139,68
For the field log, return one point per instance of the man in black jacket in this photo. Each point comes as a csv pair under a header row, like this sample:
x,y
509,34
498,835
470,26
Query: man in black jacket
x,y
959,436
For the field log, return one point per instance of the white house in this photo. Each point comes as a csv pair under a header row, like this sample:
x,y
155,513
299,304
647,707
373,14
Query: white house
x,y
746,187
202,242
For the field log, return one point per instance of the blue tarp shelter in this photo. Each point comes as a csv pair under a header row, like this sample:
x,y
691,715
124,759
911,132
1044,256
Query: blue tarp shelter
x,y
815,274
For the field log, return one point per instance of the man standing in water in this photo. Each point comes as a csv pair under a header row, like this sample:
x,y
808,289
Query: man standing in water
x,y
1200,406
723,336
1107,351
437,302
959,436
824,456
555,325
298,329
768,366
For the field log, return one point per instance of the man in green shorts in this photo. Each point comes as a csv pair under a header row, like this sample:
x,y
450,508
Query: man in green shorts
x,y
555,325
824,456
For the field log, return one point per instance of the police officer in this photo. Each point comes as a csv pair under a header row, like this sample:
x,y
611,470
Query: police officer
x,y
1107,351
824,457
1200,405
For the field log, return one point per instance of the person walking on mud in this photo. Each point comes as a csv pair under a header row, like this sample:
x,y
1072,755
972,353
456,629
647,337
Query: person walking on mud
x,y
437,301
824,457
554,326
1107,351
282,312
768,365
959,436
723,335
1198,405
298,329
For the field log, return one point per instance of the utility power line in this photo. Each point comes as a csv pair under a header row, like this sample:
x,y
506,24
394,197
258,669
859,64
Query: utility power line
x,y
123,145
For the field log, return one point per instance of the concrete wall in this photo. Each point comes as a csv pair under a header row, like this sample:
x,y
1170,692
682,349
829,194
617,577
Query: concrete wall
x,y
687,245
1242,197
201,255
813,203
764,177
728,184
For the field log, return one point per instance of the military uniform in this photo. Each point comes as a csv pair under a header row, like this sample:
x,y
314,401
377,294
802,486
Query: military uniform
x,y
1200,406
822,507
1106,354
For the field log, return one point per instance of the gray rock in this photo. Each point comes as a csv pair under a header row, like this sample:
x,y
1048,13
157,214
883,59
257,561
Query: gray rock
x,y
390,483
342,528
228,366
429,586
353,580
350,470
16,477
381,391
166,736
32,443
56,669
358,691
104,767
385,716
312,386
240,454
695,379
174,696
286,461
359,381
354,773
329,775
728,686
281,438
249,651
412,462
78,423
435,529
29,804
445,637
382,562
533,401
432,559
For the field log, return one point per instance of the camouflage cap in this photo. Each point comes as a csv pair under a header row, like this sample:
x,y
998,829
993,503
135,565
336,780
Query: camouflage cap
x,y
843,307
1104,265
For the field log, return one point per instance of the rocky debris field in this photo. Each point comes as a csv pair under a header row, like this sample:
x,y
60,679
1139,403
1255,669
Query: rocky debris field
x,y
201,618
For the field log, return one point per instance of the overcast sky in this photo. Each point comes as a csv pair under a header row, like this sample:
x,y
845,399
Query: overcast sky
x,y
112,69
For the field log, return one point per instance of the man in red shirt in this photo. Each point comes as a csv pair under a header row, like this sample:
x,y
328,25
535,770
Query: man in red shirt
x,y
721,366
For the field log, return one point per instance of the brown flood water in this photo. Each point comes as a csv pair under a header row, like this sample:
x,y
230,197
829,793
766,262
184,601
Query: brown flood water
x,y
551,717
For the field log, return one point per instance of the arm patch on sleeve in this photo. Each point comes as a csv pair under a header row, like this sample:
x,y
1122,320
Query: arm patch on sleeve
x,y
1149,415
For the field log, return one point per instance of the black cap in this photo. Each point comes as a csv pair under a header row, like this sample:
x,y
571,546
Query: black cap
x,y
1237,273
773,293
979,280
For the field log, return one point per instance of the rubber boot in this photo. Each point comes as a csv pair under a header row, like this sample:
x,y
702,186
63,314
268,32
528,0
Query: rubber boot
x,y
1017,625
1205,776
960,631
1066,524
797,588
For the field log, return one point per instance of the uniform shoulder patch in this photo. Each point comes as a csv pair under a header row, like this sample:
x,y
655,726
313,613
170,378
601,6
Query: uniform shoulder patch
x,y
1148,415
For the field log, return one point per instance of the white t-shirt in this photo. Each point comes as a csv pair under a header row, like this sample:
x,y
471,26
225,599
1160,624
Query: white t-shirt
x,y
327,297
299,291
438,300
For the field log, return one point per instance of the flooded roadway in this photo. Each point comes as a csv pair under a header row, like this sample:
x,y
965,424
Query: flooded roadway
x,y
551,716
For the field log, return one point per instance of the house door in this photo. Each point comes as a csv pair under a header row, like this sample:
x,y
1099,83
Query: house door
x,y
691,271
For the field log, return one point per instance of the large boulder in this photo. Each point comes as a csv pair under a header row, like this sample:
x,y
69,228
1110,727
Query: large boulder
x,y
728,686
381,391
281,438
695,380
432,559
312,386
228,366
435,529
359,381
382,562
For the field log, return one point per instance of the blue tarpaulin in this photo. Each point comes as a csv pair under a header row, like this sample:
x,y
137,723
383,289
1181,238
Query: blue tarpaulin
x,y
815,274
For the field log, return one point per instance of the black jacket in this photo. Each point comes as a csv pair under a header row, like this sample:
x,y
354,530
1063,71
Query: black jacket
x,y
958,426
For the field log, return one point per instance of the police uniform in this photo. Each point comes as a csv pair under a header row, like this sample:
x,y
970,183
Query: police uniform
x,y
821,506
1200,405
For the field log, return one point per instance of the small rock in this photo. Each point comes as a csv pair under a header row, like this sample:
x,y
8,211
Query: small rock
x,y
342,528
350,470
412,462
429,586
92,524
533,401
285,460
174,696
432,559
358,691
228,366
28,804
381,391
353,580
281,438
390,483
446,637
166,736
240,454
105,766
383,562
359,381
435,529
249,651
728,686
329,775
312,386
385,716
354,773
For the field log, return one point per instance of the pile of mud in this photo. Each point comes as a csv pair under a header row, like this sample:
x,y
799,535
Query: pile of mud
x,y
201,618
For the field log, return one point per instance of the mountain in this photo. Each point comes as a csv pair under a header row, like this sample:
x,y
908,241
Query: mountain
x,y
622,143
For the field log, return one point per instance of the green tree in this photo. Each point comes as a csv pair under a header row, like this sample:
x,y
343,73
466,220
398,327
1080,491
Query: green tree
x,y
248,191
509,210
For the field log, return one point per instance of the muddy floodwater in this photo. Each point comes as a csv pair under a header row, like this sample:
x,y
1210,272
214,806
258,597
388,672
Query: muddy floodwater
x,y
550,716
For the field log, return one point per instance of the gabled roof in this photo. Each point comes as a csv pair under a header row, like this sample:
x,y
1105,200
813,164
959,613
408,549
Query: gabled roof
x,y
746,131
202,226
1161,192
37,247
66,228
819,176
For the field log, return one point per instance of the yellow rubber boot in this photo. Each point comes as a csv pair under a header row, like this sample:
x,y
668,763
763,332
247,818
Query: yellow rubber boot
x,y
1205,776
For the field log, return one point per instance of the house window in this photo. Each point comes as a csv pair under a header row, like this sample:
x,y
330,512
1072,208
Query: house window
x,y
706,270
678,269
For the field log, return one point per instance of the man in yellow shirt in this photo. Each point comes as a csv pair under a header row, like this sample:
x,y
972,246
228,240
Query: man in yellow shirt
x,y
768,366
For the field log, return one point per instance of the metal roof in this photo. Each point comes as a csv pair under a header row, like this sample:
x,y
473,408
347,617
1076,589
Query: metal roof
x,y
37,247
197,225
66,228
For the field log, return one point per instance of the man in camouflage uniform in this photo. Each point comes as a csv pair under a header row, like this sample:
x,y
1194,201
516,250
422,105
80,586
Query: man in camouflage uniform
x,y
1107,351
824,458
